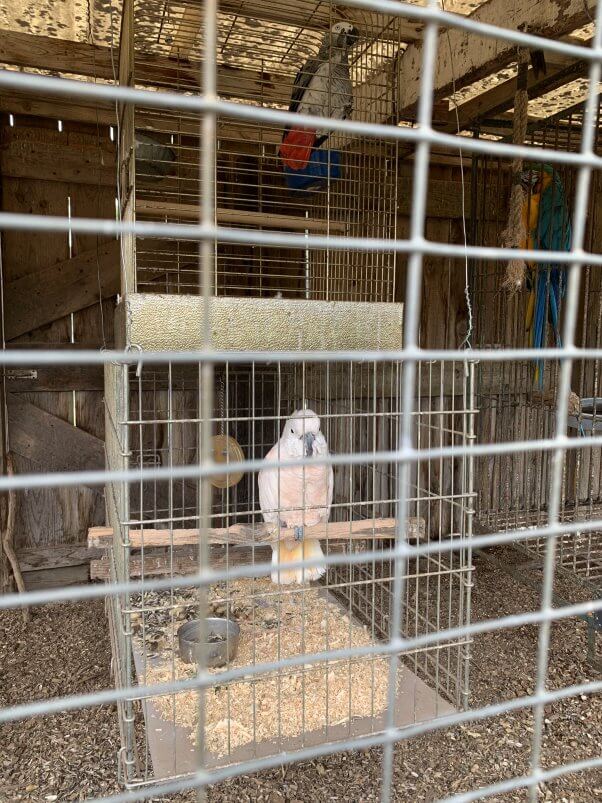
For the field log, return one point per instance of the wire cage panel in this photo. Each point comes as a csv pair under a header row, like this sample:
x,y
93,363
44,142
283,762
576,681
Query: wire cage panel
x,y
154,421
358,404
257,64
514,402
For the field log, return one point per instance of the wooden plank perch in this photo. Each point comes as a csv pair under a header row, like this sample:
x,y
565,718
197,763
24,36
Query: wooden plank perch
x,y
259,534
240,217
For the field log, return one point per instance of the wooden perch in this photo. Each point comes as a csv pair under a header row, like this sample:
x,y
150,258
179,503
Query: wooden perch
x,y
9,535
259,534
240,217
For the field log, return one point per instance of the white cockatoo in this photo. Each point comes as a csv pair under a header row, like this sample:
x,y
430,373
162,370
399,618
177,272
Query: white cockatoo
x,y
297,497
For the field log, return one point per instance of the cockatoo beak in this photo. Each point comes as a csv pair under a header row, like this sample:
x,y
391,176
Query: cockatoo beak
x,y
309,439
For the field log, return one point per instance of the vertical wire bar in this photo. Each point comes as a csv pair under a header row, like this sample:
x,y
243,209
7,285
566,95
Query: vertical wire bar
x,y
126,601
411,333
568,338
207,260
469,512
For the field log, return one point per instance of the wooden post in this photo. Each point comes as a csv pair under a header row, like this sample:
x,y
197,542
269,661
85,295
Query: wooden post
x,y
4,569
8,537
127,150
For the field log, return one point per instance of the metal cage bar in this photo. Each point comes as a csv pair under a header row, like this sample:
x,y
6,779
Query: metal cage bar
x,y
397,440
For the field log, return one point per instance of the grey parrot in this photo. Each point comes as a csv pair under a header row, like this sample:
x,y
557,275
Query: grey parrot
x,y
322,87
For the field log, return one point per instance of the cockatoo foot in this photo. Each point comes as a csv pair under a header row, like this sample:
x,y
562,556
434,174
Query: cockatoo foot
x,y
298,533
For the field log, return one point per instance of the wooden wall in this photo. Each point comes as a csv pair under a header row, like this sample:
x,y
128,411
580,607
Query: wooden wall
x,y
56,420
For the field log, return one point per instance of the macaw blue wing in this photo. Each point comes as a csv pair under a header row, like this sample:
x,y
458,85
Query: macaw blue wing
x,y
553,234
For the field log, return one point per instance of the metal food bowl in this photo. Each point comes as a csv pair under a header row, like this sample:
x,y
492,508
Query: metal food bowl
x,y
220,647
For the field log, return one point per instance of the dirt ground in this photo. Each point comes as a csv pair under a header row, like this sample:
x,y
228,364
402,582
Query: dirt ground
x,y
72,756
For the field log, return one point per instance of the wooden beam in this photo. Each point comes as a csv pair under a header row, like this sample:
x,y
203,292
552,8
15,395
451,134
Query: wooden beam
x,y
79,58
318,16
59,577
249,138
247,535
475,57
239,217
44,378
20,105
157,565
51,442
56,557
56,55
50,161
58,290
501,97
81,345
184,562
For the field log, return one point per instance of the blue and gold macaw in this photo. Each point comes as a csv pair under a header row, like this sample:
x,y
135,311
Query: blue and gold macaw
x,y
548,227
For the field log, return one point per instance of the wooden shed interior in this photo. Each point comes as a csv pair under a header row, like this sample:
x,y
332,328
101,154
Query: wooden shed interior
x,y
84,158
59,156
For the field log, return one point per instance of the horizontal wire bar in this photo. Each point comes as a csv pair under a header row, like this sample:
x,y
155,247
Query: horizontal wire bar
x,y
407,454
204,679
205,777
21,357
29,82
15,221
209,576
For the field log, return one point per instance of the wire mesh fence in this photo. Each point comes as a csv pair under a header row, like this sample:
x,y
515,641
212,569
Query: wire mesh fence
x,y
420,439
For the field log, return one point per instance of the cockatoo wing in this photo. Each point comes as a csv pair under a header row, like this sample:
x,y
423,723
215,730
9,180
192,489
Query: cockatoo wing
x,y
268,489
330,491
295,496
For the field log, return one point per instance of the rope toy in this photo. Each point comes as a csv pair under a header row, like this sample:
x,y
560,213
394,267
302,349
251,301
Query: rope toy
x,y
515,233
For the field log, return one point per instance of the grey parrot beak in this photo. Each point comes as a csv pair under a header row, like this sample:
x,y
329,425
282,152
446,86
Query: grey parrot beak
x,y
309,439
352,37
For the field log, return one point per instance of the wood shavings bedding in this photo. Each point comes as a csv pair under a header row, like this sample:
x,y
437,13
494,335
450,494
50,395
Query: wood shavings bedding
x,y
274,624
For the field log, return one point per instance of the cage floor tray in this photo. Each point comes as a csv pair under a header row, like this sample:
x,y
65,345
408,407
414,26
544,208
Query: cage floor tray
x,y
172,747
300,708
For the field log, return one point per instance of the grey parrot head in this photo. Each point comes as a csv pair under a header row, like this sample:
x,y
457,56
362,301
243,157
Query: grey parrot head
x,y
343,35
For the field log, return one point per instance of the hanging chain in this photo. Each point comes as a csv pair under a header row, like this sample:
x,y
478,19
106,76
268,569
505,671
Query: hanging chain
x,y
222,406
